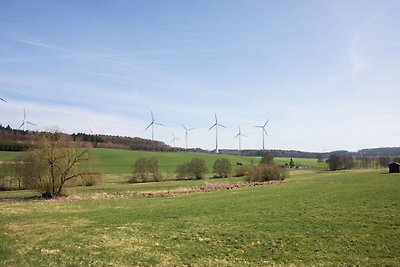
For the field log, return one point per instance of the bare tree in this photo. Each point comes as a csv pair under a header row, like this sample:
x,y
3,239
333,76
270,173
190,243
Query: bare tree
x,y
267,158
57,161
195,169
143,168
222,168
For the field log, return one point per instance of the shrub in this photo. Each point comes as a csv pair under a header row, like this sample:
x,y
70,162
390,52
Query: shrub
x,y
195,169
222,168
335,163
183,171
241,171
94,178
267,158
10,174
145,170
266,172
198,168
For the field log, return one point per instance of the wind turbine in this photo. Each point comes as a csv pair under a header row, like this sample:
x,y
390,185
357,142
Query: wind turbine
x,y
2,99
186,134
153,122
263,131
174,139
240,138
216,124
24,121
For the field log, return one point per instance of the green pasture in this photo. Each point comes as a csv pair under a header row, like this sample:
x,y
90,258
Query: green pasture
x,y
113,161
314,218
119,162
8,155
117,166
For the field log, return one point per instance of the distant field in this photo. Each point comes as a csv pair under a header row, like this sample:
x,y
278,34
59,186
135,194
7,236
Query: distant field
x,y
117,162
315,218
8,155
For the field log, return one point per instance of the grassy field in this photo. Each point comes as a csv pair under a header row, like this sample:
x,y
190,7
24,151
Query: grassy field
x,y
313,218
117,162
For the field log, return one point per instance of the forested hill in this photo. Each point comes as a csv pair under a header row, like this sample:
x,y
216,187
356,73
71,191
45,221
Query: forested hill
x,y
17,140
383,151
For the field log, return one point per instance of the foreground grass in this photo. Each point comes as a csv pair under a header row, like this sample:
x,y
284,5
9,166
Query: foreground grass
x,y
340,218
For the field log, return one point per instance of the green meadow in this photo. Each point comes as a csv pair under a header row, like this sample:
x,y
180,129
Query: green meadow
x,y
314,218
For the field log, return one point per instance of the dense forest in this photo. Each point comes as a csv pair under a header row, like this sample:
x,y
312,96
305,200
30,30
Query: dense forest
x,y
19,140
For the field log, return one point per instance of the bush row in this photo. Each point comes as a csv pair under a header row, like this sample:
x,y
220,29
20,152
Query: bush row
x,y
146,170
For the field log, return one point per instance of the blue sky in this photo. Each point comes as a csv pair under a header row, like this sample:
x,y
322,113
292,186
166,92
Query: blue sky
x,y
326,73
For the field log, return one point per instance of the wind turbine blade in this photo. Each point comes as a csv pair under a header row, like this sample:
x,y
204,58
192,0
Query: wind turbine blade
x,y
149,126
2,99
160,124
90,130
213,126
257,126
152,116
24,114
216,120
266,123
222,125
184,127
31,123
21,125
236,135
265,132
244,135
191,129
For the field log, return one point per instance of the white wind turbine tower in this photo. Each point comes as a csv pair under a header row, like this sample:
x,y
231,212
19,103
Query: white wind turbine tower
x,y
263,131
153,122
216,124
240,138
174,139
24,121
186,134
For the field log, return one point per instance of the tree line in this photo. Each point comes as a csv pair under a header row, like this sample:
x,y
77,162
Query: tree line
x,y
20,140
146,170
336,162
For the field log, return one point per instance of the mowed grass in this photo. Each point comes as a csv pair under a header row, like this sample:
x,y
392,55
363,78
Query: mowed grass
x,y
314,218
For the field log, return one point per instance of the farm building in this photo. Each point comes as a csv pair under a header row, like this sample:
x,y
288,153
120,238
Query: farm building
x,y
394,167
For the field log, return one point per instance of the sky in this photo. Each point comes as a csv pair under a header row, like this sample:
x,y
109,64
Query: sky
x,y
326,74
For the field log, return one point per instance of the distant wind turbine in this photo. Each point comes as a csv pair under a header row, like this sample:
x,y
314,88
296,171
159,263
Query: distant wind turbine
x,y
263,131
216,124
174,139
2,99
153,122
24,122
186,134
240,138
